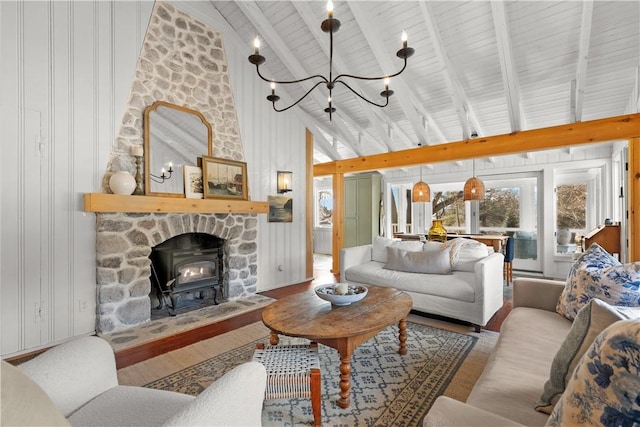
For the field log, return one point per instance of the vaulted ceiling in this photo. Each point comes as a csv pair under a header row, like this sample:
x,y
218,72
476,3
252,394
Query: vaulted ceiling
x,y
480,67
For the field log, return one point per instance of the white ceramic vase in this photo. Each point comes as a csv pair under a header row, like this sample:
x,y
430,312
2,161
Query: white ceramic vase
x,y
122,183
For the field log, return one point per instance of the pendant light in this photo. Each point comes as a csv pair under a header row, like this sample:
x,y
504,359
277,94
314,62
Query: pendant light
x,y
474,187
421,191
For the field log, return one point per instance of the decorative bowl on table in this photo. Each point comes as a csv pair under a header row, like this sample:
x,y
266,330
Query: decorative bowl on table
x,y
331,293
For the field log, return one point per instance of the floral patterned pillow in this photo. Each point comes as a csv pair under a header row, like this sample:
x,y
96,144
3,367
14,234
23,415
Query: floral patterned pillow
x,y
585,282
604,389
591,320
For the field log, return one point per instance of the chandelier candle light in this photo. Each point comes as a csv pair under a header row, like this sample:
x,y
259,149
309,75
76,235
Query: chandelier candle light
x,y
330,25
162,178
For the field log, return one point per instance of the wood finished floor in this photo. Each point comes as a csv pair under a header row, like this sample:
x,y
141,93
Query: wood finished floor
x,y
145,351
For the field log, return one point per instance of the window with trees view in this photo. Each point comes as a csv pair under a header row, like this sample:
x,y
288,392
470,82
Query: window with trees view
x,y
571,206
500,208
448,207
578,205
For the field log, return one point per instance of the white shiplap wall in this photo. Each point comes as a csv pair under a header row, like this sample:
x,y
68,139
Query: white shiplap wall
x,y
65,75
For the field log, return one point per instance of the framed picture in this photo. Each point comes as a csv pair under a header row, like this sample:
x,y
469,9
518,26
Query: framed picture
x,y
224,179
280,209
193,182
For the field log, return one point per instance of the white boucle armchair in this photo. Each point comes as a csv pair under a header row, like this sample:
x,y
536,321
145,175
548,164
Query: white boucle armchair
x,y
80,378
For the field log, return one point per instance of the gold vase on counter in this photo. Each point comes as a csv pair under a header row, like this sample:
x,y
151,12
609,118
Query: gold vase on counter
x,y
437,232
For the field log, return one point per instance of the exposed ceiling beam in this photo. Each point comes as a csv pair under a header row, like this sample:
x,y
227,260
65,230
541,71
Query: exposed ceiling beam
x,y
394,129
460,102
507,65
583,58
319,140
589,132
313,26
430,120
371,34
253,13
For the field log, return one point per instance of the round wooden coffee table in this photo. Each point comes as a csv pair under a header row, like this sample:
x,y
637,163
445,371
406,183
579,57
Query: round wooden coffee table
x,y
343,328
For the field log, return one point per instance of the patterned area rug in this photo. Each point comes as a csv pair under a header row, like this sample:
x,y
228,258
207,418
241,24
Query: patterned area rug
x,y
387,389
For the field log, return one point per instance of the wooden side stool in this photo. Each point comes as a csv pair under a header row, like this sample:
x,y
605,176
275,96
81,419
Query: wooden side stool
x,y
292,371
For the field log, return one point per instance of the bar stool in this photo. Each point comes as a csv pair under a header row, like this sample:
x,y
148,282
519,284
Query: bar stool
x,y
508,260
292,371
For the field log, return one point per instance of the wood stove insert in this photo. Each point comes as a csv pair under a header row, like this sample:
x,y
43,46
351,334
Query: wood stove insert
x,y
187,264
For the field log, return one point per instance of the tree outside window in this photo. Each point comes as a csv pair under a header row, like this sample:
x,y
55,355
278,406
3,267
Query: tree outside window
x,y
571,206
448,207
500,208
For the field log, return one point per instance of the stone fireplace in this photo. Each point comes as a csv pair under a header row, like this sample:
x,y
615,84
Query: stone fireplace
x,y
124,242
182,61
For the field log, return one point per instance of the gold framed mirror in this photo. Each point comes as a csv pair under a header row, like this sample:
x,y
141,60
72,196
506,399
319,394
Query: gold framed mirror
x,y
174,137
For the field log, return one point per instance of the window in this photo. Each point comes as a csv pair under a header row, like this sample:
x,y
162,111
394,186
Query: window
x,y
572,206
510,207
500,208
577,206
401,209
324,208
448,206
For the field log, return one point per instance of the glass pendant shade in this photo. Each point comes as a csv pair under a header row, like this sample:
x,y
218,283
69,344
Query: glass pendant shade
x,y
421,192
473,189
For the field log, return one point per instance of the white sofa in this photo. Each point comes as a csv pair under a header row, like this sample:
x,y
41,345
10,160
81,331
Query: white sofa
x,y
81,384
472,293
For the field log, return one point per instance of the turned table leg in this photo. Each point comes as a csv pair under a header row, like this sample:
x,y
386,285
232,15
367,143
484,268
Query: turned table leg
x,y
274,339
402,326
345,380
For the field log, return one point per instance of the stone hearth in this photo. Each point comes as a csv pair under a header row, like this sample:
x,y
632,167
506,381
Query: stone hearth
x,y
123,246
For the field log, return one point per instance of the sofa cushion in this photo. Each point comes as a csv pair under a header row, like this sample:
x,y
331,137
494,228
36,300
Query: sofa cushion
x,y
519,365
131,406
431,246
24,403
465,252
380,245
469,255
605,386
408,245
586,280
592,319
434,262
379,248
458,285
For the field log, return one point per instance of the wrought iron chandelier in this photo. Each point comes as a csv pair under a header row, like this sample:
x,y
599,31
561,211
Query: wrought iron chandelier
x,y
330,25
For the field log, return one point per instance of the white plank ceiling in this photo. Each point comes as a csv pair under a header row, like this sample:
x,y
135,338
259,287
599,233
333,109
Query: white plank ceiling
x,y
480,67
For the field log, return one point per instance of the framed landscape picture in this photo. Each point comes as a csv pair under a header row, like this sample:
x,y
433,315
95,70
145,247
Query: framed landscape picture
x,y
280,209
224,179
193,182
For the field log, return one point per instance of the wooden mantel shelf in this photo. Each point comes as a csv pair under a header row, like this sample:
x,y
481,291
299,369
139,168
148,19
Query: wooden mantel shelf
x,y
99,202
